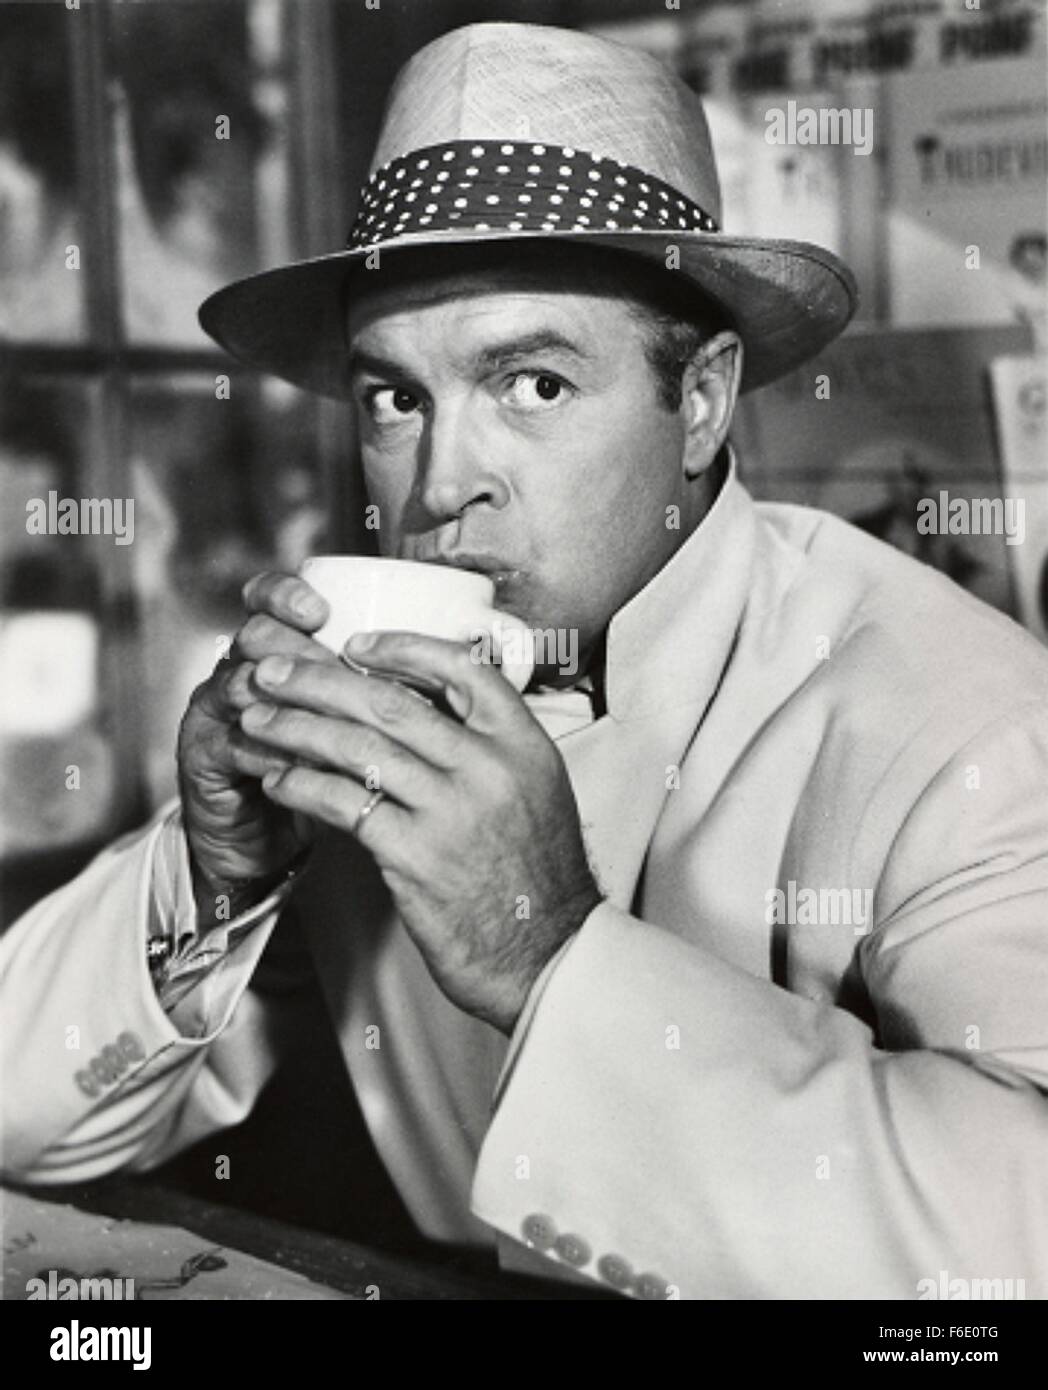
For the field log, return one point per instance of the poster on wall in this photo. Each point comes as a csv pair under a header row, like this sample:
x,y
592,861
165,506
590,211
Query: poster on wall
x,y
966,222
893,430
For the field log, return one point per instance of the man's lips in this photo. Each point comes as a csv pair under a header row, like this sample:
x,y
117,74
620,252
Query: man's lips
x,y
497,568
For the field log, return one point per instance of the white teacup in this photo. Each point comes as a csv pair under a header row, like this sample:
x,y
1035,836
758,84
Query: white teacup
x,y
381,595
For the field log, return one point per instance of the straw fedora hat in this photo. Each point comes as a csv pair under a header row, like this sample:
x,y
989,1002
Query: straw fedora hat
x,y
498,133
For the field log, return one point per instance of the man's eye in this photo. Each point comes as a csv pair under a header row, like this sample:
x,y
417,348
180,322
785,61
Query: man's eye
x,y
535,390
391,404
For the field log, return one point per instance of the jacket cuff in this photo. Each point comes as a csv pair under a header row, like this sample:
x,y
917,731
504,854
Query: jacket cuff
x,y
548,1175
103,1031
205,972
523,1025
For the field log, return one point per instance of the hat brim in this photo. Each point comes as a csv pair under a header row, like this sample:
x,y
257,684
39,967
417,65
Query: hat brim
x,y
787,299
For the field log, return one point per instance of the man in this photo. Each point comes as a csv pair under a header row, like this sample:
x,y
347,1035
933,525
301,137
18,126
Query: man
x,y
720,973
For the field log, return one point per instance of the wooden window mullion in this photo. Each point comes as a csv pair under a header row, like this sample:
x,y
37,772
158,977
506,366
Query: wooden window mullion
x,y
106,470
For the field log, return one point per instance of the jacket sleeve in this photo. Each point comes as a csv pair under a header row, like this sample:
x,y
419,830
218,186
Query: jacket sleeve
x,y
96,1074
784,1149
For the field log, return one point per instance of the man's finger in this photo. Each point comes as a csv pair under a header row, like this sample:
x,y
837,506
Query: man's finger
x,y
230,688
287,597
252,758
343,746
337,802
401,714
474,690
263,635
235,687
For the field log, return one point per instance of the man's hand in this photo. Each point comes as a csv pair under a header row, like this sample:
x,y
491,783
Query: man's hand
x,y
477,835
238,838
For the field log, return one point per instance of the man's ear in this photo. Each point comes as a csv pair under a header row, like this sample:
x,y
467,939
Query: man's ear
x,y
709,390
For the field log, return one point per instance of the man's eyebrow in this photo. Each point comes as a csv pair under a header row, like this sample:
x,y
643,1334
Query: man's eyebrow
x,y
384,367
494,356
528,345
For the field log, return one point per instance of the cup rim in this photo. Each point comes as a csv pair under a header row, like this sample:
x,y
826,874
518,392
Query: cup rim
x,y
400,565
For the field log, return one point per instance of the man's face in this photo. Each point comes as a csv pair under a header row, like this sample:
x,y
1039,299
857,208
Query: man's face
x,y
514,427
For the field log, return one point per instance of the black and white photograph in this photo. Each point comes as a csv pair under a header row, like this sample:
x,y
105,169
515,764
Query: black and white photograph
x,y
524,668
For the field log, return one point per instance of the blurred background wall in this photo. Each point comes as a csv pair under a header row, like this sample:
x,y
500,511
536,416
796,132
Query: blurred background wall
x,y
152,150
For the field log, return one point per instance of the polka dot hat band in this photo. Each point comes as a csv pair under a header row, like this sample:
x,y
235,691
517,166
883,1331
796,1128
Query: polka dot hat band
x,y
500,185
507,134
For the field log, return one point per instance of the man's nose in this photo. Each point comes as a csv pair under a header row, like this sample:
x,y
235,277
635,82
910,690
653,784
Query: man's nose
x,y
456,466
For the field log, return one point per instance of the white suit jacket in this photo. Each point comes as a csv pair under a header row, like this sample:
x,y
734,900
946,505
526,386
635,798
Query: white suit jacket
x,y
800,1051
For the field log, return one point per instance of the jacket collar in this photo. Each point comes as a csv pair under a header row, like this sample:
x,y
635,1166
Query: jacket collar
x,y
669,645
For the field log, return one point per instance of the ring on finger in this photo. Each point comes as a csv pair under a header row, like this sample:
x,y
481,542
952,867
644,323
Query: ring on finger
x,y
367,809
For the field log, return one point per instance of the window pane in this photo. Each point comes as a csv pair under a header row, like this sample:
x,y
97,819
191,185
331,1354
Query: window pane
x,y
40,230
200,155
224,488
56,750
